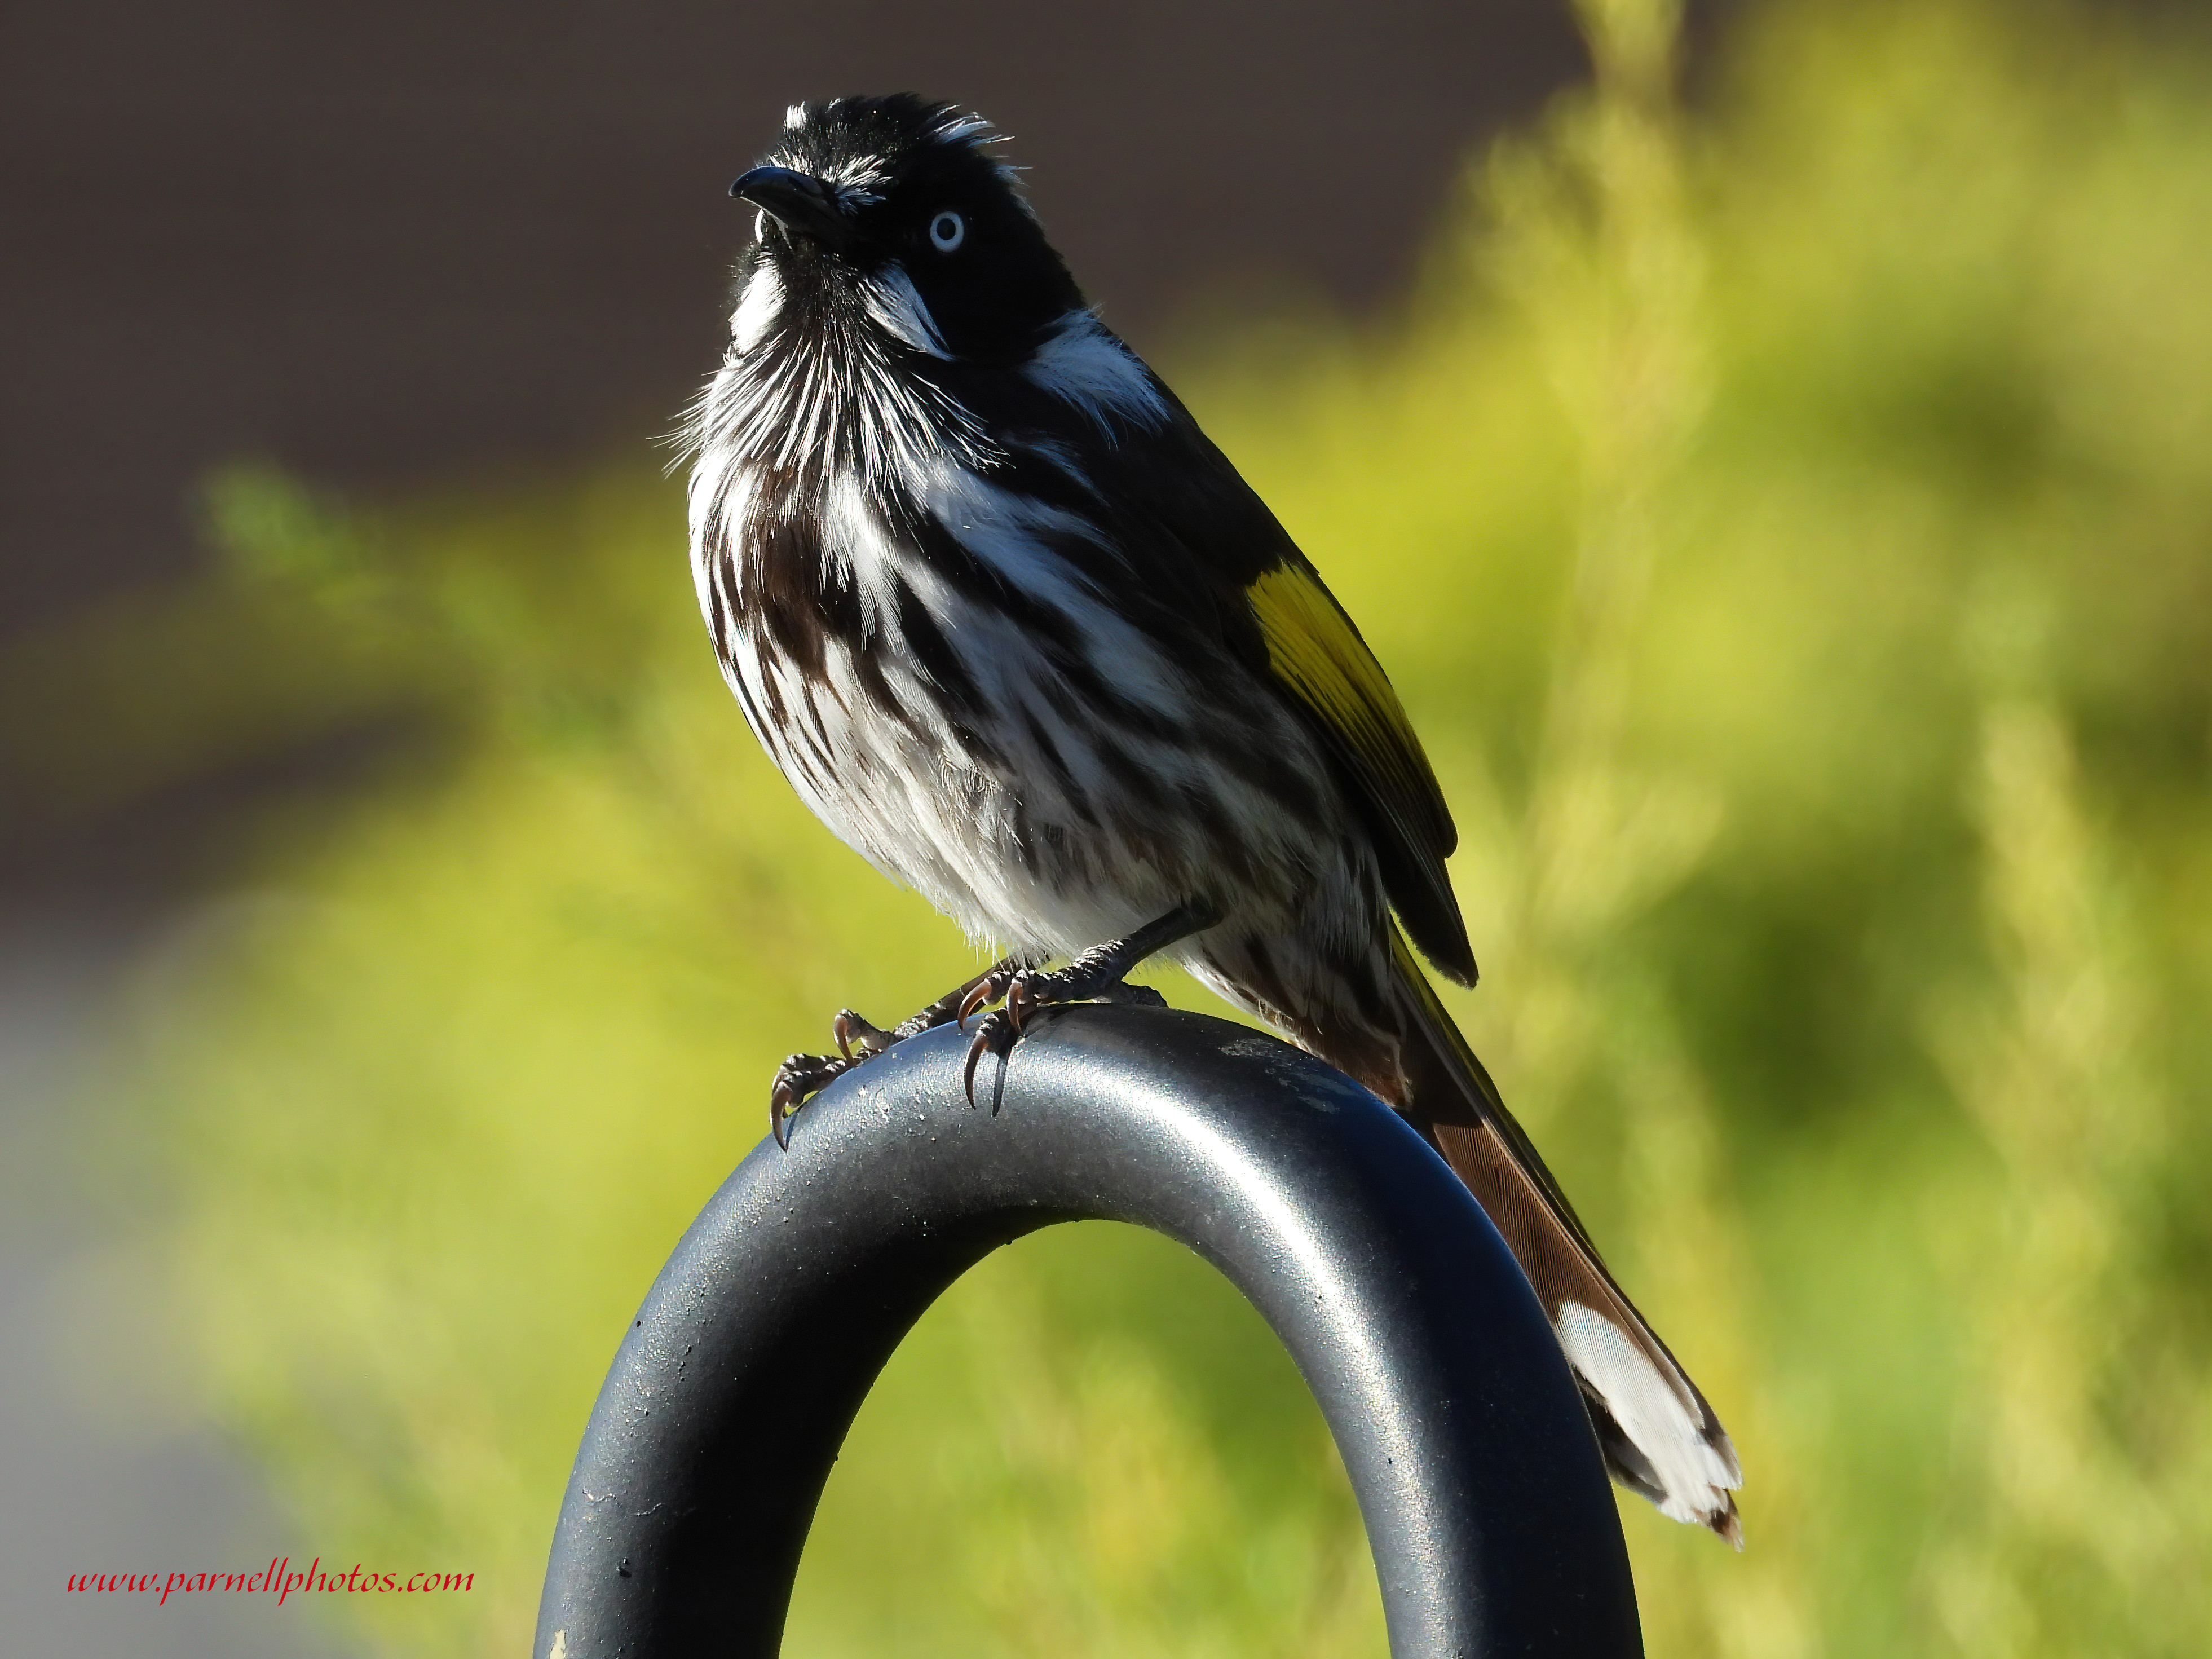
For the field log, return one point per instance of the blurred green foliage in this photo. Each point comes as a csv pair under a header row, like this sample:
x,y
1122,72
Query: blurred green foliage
x,y
1789,522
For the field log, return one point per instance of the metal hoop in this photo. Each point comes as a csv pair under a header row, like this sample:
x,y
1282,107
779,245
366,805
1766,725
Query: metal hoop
x,y
1487,1508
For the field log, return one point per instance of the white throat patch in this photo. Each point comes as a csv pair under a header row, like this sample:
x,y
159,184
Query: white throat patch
x,y
759,308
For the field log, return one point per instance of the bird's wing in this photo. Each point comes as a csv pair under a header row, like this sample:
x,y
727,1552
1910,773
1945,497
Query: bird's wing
x,y
1316,654
1214,567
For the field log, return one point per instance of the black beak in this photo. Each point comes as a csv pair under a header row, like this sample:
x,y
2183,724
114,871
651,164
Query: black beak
x,y
801,204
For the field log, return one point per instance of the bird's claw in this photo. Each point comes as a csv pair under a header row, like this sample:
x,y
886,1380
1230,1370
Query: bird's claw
x,y
987,990
799,1076
994,1035
855,1032
1028,992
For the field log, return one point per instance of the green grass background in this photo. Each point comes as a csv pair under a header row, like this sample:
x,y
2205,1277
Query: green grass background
x,y
1789,519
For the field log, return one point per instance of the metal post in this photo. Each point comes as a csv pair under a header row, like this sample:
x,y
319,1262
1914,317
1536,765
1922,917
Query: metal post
x,y
1492,1526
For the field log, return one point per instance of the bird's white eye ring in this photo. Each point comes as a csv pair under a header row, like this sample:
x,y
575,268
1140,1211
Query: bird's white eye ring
x,y
947,231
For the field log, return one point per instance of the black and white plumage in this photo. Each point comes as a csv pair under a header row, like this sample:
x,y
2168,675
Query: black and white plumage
x,y
1019,634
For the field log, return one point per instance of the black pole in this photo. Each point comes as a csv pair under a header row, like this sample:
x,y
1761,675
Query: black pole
x,y
1488,1511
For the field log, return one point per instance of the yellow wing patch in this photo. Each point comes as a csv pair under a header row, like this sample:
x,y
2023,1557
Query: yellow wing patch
x,y
1316,652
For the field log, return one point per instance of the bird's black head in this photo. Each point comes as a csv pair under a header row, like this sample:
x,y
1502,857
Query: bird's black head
x,y
894,209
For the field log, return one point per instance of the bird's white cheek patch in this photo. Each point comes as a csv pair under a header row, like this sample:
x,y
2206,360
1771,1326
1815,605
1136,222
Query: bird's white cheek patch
x,y
898,310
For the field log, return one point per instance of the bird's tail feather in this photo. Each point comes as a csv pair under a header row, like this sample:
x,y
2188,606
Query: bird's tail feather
x,y
1659,1437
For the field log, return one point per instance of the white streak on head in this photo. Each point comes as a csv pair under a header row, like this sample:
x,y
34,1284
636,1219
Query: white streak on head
x,y
975,133
1655,1410
960,129
758,308
898,310
1082,364
859,180
794,116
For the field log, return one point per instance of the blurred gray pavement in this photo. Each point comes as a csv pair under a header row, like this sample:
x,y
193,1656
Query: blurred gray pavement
x,y
93,1475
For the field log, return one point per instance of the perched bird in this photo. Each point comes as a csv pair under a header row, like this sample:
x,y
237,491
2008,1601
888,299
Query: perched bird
x,y
1021,635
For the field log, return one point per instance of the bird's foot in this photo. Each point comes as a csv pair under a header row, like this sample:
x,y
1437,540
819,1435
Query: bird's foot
x,y
858,1040
1001,1027
1099,975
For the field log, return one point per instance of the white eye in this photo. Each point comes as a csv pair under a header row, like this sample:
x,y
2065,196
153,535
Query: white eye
x,y
947,231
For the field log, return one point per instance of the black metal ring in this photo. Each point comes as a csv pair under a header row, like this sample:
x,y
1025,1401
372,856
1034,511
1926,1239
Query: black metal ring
x,y
1492,1526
